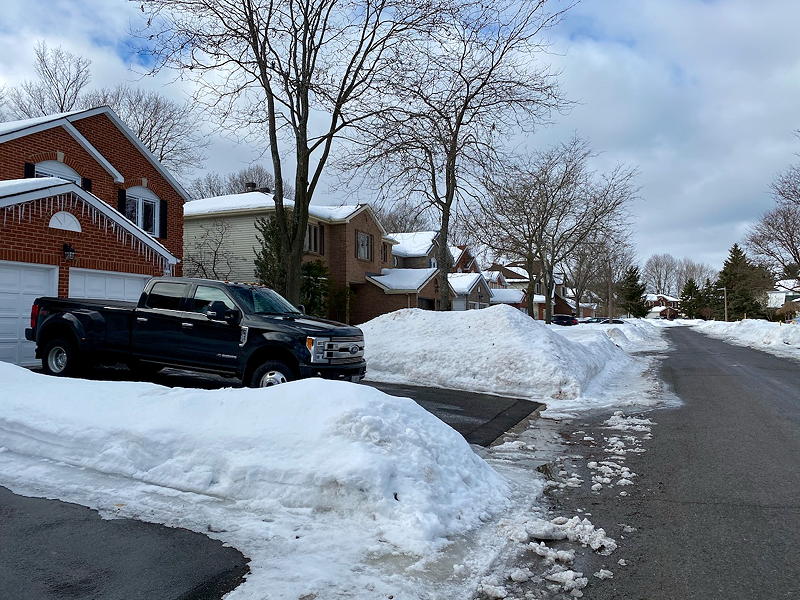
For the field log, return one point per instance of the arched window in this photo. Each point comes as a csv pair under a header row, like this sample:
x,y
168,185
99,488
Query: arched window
x,y
66,221
54,168
142,208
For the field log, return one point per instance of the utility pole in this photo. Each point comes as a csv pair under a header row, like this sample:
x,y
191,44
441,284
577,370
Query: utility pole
x,y
725,295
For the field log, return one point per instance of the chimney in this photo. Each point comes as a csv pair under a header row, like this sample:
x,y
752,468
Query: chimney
x,y
250,186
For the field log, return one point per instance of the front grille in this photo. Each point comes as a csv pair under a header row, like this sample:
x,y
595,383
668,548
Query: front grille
x,y
343,350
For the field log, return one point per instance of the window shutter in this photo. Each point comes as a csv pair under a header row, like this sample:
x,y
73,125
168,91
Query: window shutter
x,y
122,199
162,219
86,184
322,239
30,170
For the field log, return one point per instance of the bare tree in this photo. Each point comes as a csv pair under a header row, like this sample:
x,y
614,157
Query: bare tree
x,y
659,274
542,210
214,184
295,73
170,130
614,257
402,216
458,96
61,78
688,269
208,254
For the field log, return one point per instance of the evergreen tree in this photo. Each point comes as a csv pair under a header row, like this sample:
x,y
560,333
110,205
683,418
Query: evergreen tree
x,y
632,293
710,303
315,287
691,299
268,269
746,285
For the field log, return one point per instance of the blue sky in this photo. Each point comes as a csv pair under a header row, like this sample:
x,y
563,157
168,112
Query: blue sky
x,y
703,97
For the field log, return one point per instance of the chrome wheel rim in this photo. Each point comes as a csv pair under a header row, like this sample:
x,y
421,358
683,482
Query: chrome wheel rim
x,y
271,378
57,359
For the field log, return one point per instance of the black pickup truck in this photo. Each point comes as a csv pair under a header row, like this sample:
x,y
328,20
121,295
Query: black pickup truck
x,y
231,329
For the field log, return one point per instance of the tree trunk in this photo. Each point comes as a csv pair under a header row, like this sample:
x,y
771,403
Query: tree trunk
x,y
547,280
444,260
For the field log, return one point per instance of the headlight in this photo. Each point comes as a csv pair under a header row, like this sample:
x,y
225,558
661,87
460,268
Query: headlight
x,y
316,348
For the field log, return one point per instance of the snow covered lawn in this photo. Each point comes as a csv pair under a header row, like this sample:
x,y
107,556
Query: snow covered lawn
x,y
308,479
777,338
500,350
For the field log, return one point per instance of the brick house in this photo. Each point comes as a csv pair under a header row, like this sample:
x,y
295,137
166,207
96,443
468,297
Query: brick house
x,y
348,240
415,250
85,211
662,306
464,260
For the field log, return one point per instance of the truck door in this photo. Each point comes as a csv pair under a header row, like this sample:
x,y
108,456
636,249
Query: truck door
x,y
210,342
157,331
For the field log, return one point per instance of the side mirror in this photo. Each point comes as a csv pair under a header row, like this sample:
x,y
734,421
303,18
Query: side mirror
x,y
233,316
218,311
301,308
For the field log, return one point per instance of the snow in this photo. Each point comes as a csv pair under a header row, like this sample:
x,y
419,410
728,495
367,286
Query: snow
x,y
507,296
501,350
417,243
463,283
493,276
262,201
307,479
403,280
11,126
782,339
456,252
13,187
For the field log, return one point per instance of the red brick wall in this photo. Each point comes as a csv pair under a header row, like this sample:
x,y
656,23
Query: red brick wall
x,y
32,241
368,301
340,242
116,148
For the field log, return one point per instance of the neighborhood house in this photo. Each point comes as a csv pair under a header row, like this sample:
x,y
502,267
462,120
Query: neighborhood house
x,y
85,211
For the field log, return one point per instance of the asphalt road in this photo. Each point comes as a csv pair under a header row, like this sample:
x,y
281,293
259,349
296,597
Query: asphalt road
x,y
55,550
717,501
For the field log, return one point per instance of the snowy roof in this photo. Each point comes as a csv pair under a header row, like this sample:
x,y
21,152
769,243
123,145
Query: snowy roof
x,y
656,297
507,296
261,201
523,274
413,244
787,284
776,299
12,130
658,309
493,276
18,191
402,280
463,283
456,252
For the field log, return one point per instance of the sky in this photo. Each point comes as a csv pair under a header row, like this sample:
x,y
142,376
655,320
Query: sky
x,y
702,97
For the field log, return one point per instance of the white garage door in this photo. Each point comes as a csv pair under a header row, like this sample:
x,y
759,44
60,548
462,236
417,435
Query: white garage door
x,y
106,285
20,285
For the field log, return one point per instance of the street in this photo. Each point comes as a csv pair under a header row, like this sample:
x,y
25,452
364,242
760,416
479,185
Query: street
x,y
716,505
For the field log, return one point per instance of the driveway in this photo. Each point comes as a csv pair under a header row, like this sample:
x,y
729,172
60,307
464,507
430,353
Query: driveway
x,y
717,502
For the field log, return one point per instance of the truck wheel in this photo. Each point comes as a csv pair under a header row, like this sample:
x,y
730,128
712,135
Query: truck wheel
x,y
272,372
60,357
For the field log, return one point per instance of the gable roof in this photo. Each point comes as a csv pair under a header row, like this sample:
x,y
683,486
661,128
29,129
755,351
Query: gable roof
x,y
494,277
12,130
462,284
414,243
402,281
18,191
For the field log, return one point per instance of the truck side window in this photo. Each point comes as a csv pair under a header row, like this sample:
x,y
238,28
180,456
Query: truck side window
x,y
205,295
167,296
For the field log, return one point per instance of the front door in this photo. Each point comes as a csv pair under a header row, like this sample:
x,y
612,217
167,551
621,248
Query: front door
x,y
210,342
157,331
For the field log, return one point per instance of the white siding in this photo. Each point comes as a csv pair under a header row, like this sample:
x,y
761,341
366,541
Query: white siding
x,y
239,241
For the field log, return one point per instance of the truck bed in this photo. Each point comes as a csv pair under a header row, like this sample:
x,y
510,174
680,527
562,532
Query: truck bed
x,y
89,303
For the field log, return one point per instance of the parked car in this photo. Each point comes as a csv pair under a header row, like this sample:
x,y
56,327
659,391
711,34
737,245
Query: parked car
x,y
595,320
612,322
564,320
238,330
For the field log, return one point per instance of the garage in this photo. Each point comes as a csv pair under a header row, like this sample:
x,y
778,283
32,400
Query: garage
x,y
20,285
107,285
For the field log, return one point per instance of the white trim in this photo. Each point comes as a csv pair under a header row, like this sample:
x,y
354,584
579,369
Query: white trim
x,y
108,211
72,223
56,168
118,178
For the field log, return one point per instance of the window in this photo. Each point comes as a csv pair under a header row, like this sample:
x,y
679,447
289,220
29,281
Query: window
x,y
205,295
385,252
167,296
315,239
432,263
363,245
54,168
141,207
261,300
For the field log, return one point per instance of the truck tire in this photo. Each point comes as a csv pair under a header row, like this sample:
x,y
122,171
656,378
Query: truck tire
x,y
60,357
269,373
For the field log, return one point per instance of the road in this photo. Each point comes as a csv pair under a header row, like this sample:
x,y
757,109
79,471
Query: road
x,y
717,501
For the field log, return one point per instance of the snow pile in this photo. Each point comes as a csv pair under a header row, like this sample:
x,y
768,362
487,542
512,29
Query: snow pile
x,y
635,335
777,338
312,446
497,350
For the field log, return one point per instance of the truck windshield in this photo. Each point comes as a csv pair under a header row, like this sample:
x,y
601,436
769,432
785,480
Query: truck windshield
x,y
260,300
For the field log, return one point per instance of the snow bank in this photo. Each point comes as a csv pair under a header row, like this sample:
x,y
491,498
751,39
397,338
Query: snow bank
x,y
498,350
777,338
326,447
634,335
